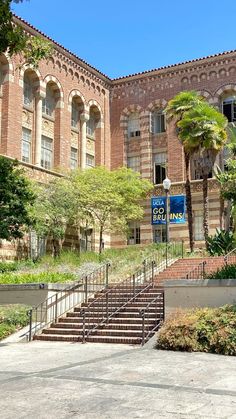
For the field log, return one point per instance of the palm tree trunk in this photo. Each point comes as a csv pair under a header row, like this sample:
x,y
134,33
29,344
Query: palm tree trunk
x,y
205,208
189,202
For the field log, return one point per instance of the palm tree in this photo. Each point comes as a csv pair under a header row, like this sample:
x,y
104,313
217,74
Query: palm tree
x,y
203,132
176,109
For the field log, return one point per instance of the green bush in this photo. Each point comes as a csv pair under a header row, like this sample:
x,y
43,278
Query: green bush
x,y
26,278
221,243
12,318
227,272
8,267
203,329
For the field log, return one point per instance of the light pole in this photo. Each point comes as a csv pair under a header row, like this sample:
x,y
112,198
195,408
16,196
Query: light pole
x,y
166,186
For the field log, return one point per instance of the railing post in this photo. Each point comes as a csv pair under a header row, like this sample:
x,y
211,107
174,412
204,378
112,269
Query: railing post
x,y
30,312
142,314
86,289
163,313
153,265
133,281
83,331
144,270
107,274
56,298
182,249
203,269
107,306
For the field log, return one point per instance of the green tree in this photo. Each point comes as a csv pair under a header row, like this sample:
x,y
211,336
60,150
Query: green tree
x,y
53,211
110,199
203,132
175,110
16,197
14,40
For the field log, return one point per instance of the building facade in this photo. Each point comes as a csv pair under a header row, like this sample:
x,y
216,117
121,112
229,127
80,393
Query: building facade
x,y
67,114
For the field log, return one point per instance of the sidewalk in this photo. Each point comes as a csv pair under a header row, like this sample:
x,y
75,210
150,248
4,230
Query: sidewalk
x,y
59,380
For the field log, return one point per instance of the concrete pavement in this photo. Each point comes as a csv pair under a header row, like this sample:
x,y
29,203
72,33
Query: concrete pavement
x,y
46,380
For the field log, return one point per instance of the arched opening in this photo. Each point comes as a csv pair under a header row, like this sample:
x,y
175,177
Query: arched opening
x,y
157,121
77,107
30,87
93,131
229,107
51,115
133,125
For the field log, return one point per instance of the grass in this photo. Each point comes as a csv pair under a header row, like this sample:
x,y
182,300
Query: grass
x,y
200,330
71,266
12,318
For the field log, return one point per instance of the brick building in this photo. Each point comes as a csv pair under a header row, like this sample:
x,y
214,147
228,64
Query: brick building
x,y
68,114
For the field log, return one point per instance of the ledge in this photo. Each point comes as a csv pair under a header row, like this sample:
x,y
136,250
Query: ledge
x,y
184,283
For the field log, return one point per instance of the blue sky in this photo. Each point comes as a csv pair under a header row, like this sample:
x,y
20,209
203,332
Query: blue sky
x,y
128,36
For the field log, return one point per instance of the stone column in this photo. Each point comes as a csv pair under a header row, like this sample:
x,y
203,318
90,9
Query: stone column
x,y
38,130
84,117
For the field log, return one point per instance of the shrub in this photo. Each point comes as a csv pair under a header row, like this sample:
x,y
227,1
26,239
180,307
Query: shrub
x,y
227,272
12,318
8,267
26,278
203,329
221,243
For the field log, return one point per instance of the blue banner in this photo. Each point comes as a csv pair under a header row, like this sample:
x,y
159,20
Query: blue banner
x,y
177,209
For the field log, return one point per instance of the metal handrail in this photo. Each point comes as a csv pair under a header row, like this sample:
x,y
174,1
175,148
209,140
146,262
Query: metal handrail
x,y
228,255
158,318
112,296
198,272
66,299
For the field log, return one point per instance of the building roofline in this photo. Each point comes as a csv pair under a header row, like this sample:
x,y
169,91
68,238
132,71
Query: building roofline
x,y
116,80
23,22
172,66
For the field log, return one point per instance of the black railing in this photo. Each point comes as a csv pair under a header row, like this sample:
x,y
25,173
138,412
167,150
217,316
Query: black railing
x,y
109,301
66,299
155,308
115,299
199,272
230,258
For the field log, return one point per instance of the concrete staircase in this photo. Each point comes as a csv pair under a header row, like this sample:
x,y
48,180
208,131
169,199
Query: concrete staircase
x,y
123,327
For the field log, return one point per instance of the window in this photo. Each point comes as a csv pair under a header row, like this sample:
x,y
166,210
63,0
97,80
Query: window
x,y
27,92
134,163
46,152
133,125
26,145
159,234
48,103
229,108
198,226
90,126
157,122
134,235
74,115
90,160
73,158
159,168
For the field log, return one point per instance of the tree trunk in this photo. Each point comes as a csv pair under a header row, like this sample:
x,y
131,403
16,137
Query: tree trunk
x,y
55,248
205,208
189,202
100,240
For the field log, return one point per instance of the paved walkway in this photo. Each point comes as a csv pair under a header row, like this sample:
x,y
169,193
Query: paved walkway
x,y
62,380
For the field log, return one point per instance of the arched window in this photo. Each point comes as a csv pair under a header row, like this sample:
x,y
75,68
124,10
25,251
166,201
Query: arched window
x,y
49,102
27,91
91,125
229,108
133,125
157,122
74,114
